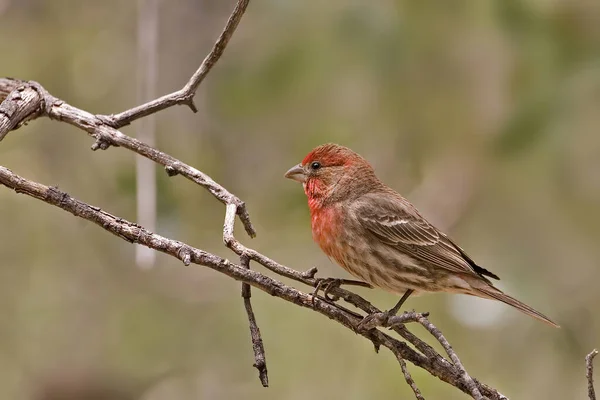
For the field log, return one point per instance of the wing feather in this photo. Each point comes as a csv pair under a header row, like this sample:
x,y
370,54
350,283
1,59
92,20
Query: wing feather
x,y
394,221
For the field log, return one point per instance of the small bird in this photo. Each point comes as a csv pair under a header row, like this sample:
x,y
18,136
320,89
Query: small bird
x,y
378,236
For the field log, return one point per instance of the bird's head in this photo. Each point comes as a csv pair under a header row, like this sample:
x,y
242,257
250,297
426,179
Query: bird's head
x,y
331,173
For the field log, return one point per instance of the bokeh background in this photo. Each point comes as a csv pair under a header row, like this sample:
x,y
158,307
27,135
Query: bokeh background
x,y
483,113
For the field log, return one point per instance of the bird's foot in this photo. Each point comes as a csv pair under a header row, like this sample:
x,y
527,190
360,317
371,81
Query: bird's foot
x,y
388,319
373,320
329,284
326,285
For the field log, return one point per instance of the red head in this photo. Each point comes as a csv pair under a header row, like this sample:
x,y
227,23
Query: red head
x,y
331,173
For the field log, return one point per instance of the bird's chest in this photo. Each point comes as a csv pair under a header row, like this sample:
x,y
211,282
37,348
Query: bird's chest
x,y
328,231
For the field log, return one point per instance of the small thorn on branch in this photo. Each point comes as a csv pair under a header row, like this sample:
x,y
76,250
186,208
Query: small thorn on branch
x,y
376,346
191,105
171,171
310,274
100,144
185,255
589,364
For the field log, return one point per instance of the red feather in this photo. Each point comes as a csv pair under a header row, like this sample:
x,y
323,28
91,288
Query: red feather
x,y
331,155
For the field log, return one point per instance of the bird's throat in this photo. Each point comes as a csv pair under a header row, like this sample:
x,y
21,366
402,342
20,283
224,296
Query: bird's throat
x,y
317,192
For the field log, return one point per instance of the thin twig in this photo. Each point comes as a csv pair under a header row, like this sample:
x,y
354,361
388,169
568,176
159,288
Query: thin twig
x,y
589,366
131,232
260,359
409,379
186,94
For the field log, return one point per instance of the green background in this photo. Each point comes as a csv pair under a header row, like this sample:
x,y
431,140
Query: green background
x,y
483,113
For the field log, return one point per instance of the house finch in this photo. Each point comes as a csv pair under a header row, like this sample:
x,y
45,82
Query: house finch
x,y
378,236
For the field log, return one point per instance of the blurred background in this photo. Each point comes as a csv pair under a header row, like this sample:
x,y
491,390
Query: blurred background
x,y
484,114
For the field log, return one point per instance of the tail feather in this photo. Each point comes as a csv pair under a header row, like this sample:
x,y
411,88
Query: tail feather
x,y
495,294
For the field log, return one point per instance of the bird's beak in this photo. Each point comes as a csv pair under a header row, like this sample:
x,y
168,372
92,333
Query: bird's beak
x,y
296,173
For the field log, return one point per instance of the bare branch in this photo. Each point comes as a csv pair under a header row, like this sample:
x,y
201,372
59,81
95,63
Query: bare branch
x,y
186,94
589,366
260,359
23,101
43,103
20,104
260,362
432,362
409,379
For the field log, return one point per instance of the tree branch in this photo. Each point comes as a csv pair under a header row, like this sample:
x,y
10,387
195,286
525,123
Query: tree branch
x,y
20,103
260,362
260,359
589,366
39,102
409,379
186,94
23,101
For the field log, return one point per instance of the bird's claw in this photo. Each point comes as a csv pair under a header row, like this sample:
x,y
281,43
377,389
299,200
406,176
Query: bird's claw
x,y
387,319
329,284
374,320
326,284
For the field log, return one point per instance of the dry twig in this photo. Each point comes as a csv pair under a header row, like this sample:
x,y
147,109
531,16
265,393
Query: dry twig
x,y
589,366
186,94
260,360
409,379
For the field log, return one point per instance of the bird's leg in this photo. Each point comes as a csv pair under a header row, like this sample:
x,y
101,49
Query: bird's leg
x,y
329,284
394,310
381,318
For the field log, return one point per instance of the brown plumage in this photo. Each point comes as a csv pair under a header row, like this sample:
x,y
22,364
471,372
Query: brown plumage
x,y
378,236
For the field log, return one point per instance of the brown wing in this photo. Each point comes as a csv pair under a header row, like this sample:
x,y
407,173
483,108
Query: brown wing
x,y
397,223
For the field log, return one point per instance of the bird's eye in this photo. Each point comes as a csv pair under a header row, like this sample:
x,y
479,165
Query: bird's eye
x,y
315,165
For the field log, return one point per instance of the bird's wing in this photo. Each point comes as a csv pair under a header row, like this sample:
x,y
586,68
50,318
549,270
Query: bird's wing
x,y
396,222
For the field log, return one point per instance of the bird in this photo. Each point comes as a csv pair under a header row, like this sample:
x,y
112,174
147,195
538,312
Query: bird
x,y
379,237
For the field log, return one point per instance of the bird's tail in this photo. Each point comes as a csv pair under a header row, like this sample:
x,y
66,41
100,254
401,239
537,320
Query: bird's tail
x,y
491,292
